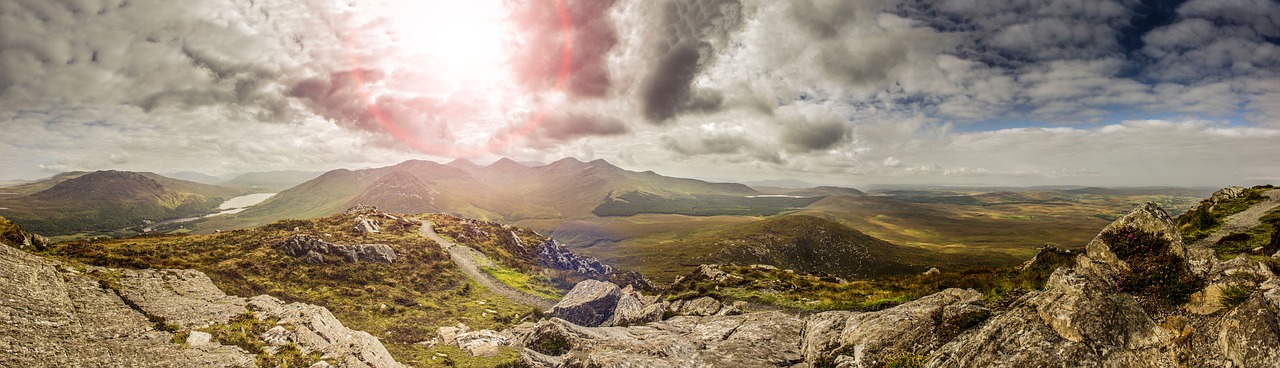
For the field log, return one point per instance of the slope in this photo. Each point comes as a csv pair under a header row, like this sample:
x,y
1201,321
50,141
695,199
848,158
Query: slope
x,y
111,200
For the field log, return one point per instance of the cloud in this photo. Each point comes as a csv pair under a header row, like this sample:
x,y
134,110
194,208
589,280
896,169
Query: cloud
x,y
537,60
685,40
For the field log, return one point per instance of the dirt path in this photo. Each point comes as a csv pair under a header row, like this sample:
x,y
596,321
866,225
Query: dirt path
x,y
461,256
1244,220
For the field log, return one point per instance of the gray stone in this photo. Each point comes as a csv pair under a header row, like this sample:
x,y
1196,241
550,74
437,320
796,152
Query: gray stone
x,y
198,338
317,330
300,245
484,343
704,306
590,303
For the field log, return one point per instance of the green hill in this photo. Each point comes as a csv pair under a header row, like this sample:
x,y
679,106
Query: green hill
x,y
109,200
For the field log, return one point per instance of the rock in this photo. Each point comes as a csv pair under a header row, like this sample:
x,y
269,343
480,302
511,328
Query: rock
x,y
316,329
313,258
300,245
712,272
484,343
198,338
51,317
553,255
590,303
367,226
1148,218
449,334
1250,334
704,306
632,311
769,339
877,336
277,336
933,271
186,298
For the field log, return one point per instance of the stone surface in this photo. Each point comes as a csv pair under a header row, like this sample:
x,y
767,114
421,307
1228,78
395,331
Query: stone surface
x,y
483,343
186,298
769,339
300,245
590,303
53,317
704,306
198,338
316,329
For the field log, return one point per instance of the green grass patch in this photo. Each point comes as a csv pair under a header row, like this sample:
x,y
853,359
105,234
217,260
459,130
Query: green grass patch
x,y
905,360
1265,236
536,285
633,203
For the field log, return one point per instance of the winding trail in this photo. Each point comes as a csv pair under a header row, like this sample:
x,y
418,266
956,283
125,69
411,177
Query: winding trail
x,y
461,255
1244,220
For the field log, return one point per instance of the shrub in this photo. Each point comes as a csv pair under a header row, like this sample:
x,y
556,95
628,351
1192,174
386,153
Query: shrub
x,y
1157,274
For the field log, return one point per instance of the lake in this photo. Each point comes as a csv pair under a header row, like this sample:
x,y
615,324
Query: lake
x,y
233,205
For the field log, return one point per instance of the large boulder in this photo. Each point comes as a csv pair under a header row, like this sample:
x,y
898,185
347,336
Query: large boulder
x,y
870,339
632,311
554,255
317,330
590,303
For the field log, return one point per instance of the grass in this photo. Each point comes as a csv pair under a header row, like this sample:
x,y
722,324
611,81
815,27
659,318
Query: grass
x,y
402,303
816,292
633,203
539,286
1235,294
905,360
1207,218
1265,236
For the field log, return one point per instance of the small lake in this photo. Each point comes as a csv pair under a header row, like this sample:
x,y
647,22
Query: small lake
x,y
233,205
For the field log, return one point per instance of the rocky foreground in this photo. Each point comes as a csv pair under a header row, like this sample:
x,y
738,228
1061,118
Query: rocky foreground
x,y
52,315
1103,312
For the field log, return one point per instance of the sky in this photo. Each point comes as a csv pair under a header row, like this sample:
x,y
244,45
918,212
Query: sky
x,y
1006,92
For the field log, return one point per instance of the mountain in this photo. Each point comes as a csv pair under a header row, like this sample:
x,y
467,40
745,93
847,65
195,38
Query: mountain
x,y
399,192
781,183
193,176
270,181
826,191
504,190
808,244
109,200
42,184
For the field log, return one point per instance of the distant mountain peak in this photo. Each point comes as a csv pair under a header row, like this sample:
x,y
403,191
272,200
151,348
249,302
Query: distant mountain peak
x,y
463,163
506,163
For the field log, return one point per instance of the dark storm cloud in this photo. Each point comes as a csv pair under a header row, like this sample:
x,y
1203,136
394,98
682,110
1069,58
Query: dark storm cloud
x,y
818,130
537,60
565,126
687,35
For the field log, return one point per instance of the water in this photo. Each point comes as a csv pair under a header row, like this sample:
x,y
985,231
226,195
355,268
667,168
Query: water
x,y
233,205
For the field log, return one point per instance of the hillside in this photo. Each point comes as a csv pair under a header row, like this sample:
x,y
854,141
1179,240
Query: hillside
x,y
505,190
269,181
809,244
106,201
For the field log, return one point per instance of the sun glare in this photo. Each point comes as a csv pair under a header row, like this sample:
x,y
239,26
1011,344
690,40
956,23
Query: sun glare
x,y
461,39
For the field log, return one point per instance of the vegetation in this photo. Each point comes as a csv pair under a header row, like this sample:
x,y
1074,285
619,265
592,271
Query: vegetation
x,y
1234,295
245,331
109,201
633,203
1159,277
905,360
1265,237
402,302
1208,217
817,292
513,249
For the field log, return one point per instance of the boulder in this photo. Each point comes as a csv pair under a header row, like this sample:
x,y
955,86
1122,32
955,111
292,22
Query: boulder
x,y
317,330
704,306
553,255
186,298
1249,335
484,343
632,311
366,226
590,303
198,338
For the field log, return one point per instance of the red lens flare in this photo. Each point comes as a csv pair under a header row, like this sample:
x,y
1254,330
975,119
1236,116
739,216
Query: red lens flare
x,y
500,139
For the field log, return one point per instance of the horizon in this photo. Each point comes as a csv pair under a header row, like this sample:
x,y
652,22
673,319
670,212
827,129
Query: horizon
x,y
896,92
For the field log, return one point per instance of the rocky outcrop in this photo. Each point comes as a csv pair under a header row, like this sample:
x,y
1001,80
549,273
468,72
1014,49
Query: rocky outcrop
x,y
313,249
366,226
590,303
55,316
769,339
315,329
554,255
